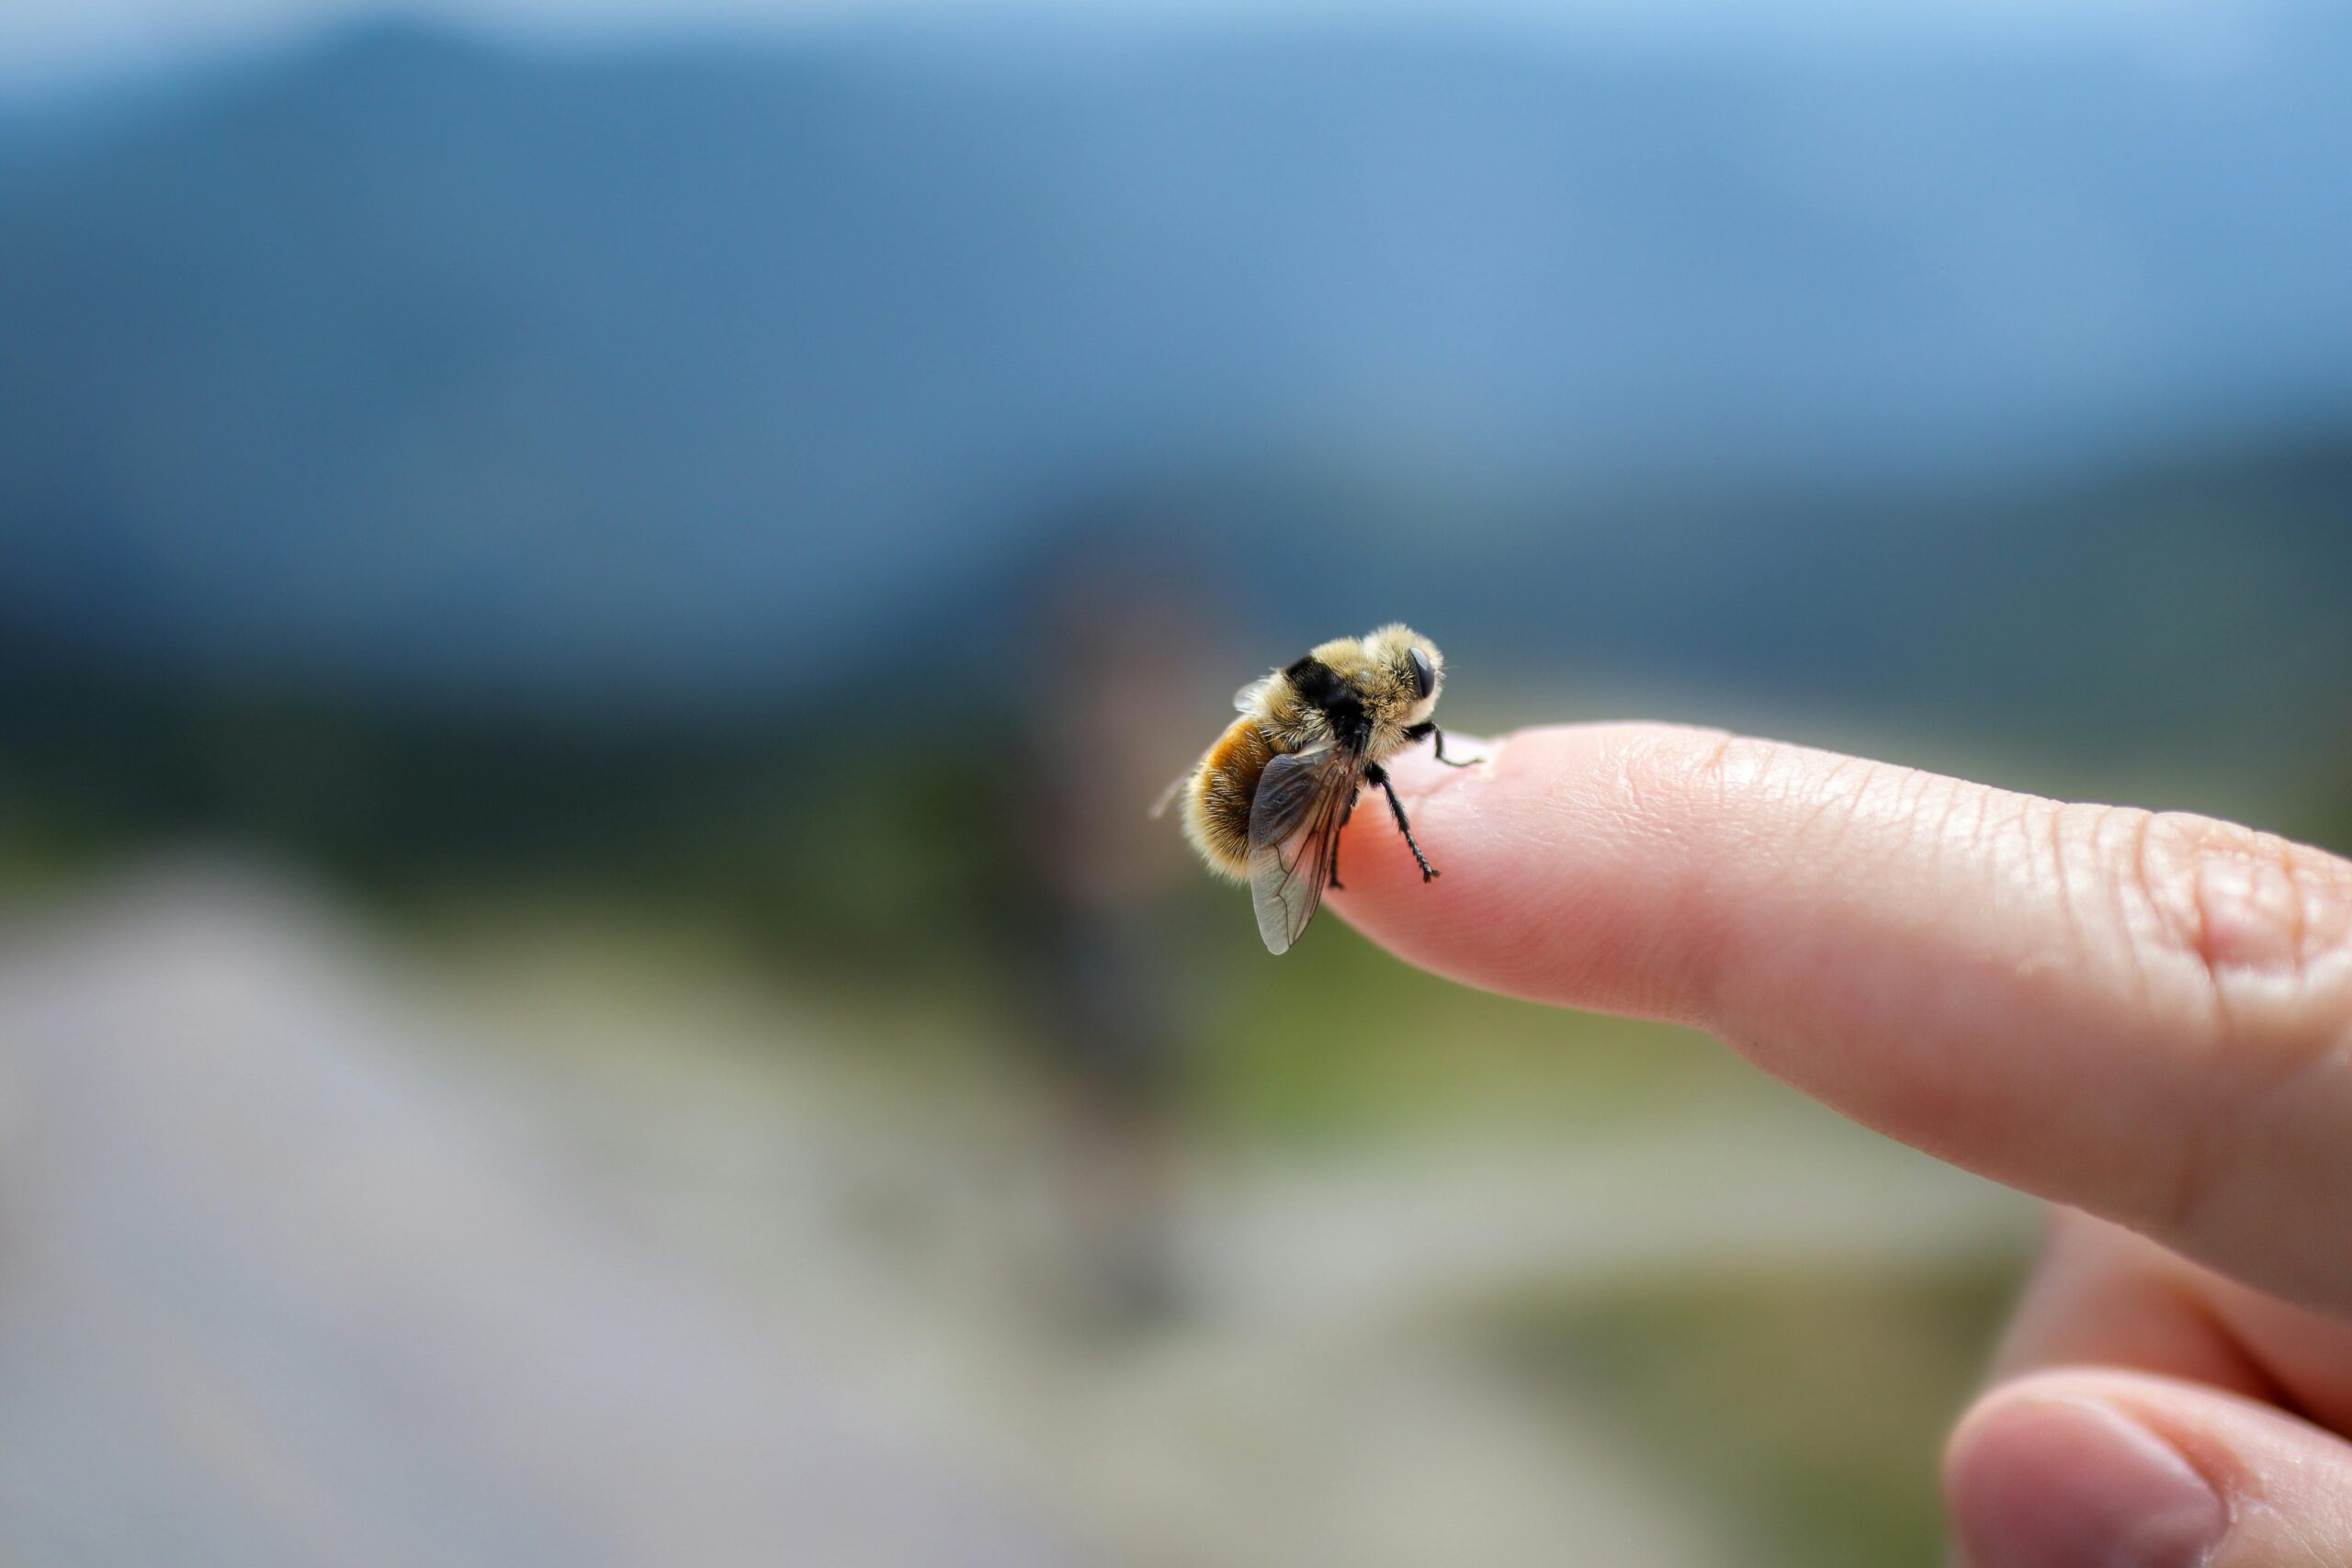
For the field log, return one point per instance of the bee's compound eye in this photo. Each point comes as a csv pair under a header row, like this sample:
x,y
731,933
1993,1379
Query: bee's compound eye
x,y
1424,677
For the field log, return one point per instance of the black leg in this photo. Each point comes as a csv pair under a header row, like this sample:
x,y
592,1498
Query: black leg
x,y
1379,775
1344,817
1429,728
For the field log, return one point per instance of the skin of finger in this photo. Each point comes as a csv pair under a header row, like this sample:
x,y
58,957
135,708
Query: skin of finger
x,y
1496,917
2102,1295
2285,1484
2051,995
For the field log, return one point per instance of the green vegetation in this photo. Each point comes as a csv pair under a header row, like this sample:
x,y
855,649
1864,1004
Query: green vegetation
x,y
1339,1042
1805,1404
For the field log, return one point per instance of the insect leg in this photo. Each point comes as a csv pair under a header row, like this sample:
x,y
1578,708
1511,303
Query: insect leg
x,y
1377,774
1351,811
1429,728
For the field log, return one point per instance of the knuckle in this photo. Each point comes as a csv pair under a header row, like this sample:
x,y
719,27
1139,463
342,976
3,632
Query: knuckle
x,y
2261,928
2249,909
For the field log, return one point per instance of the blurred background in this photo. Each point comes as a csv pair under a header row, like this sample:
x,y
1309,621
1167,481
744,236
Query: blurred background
x,y
592,597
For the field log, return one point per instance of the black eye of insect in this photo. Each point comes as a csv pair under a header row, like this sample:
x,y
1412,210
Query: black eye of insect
x,y
1424,678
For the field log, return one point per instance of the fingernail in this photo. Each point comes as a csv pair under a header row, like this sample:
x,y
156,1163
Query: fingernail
x,y
2075,1484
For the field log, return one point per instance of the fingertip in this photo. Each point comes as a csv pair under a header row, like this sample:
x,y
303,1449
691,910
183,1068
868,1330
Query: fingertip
x,y
1419,769
1549,880
2103,1466
2061,1477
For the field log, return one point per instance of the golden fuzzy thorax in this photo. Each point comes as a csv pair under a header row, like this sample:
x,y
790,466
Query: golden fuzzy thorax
x,y
1375,669
1279,716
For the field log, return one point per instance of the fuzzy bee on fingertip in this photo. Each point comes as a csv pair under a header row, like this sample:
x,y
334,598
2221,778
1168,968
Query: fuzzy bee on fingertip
x,y
1266,804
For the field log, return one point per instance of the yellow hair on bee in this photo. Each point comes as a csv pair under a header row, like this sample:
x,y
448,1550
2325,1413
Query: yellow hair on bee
x,y
1216,806
1361,698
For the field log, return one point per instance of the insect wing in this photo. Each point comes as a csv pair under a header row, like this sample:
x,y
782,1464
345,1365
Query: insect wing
x,y
1175,787
1294,833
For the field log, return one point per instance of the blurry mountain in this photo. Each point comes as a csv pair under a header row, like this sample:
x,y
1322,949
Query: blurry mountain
x,y
721,371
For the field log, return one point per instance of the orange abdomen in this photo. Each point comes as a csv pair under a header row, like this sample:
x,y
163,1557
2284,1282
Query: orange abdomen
x,y
1216,801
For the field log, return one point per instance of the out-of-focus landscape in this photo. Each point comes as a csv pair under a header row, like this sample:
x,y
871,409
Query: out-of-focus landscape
x,y
589,615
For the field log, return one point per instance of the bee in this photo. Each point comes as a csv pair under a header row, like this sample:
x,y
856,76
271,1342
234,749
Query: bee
x,y
1266,804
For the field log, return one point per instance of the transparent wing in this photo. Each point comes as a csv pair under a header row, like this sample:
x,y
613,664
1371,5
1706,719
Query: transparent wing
x,y
1175,787
1294,833
1246,697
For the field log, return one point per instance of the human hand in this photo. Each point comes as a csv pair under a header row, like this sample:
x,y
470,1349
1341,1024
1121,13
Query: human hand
x,y
2145,1018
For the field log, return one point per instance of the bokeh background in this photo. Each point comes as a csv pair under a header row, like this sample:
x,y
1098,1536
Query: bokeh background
x,y
591,598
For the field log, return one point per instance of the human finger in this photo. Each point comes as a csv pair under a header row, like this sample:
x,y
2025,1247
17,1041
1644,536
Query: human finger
x,y
2146,1015
2101,1468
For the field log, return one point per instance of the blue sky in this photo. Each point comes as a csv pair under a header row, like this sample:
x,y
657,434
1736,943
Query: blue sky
x,y
58,43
